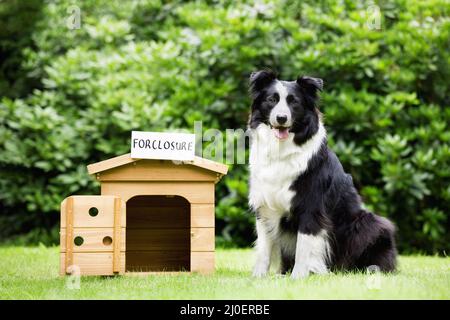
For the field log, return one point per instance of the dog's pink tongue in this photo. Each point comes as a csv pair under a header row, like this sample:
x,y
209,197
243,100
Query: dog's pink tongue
x,y
281,133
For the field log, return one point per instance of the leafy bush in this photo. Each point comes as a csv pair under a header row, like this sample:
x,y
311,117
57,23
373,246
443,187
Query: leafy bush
x,y
71,97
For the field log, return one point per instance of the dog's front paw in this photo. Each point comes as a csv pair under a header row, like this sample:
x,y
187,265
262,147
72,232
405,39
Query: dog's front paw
x,y
321,270
304,270
299,272
260,270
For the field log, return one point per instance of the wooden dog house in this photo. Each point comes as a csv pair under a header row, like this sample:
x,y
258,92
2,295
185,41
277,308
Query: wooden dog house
x,y
151,216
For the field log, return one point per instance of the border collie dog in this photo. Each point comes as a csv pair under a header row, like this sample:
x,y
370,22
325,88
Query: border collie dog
x,y
309,216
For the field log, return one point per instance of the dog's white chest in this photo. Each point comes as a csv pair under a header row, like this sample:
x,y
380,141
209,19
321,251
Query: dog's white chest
x,y
269,186
275,165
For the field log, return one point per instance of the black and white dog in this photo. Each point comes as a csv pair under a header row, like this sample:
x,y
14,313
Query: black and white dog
x,y
309,214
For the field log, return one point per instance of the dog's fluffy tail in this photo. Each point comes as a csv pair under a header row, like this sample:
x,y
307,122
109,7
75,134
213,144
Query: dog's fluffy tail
x,y
371,242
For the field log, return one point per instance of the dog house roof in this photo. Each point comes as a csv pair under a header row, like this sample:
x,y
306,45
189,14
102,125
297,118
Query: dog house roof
x,y
126,159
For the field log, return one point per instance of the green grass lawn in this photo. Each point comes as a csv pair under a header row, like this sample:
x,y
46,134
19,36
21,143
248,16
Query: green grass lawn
x,y
32,273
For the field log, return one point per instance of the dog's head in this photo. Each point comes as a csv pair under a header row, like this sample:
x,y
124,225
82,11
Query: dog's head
x,y
285,106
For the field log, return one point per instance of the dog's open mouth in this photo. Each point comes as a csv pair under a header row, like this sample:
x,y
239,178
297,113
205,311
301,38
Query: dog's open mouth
x,y
281,133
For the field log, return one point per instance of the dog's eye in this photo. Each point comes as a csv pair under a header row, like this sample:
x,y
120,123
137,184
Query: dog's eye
x,y
291,99
272,98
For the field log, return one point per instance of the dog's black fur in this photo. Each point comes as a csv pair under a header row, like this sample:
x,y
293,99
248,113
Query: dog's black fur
x,y
325,196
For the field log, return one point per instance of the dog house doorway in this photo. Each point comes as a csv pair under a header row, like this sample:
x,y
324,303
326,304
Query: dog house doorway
x,y
158,234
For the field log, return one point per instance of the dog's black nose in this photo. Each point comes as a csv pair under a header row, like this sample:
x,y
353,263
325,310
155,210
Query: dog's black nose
x,y
281,119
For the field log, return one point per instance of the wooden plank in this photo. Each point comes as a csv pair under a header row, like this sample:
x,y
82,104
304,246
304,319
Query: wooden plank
x,y
93,240
202,262
157,217
151,261
202,215
62,216
94,264
62,240
110,163
69,232
126,159
194,192
202,239
210,165
157,170
104,217
158,239
117,235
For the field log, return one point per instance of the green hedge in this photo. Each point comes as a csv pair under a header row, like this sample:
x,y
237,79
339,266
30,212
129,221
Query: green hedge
x,y
71,97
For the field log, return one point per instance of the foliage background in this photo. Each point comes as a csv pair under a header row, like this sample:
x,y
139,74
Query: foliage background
x,y
71,97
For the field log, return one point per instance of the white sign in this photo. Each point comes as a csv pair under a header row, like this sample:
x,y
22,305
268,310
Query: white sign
x,y
161,145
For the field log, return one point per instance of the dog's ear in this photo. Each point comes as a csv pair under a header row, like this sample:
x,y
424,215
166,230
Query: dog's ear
x,y
310,85
259,80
